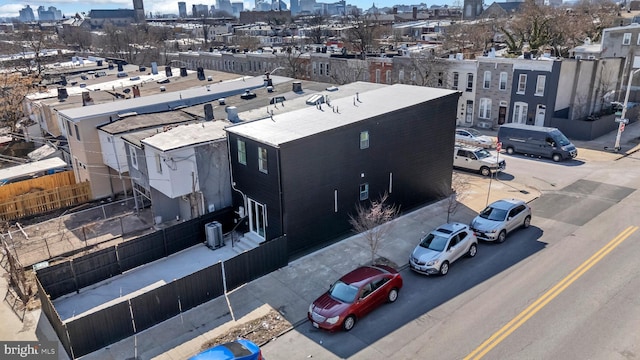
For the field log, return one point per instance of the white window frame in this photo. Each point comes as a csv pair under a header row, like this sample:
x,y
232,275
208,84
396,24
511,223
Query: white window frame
x,y
387,76
484,108
469,82
486,83
364,191
540,84
242,152
262,160
401,76
520,110
378,76
504,77
364,140
522,84
456,80
626,39
133,157
158,164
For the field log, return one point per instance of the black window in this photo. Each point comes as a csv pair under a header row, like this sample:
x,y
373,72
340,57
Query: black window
x,y
378,283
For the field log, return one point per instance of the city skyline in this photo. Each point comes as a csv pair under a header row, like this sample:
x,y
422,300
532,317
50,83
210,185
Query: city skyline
x,y
71,7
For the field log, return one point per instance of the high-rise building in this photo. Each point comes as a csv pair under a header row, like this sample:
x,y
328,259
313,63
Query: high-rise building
x,y
138,8
295,7
472,9
26,14
182,9
51,14
199,10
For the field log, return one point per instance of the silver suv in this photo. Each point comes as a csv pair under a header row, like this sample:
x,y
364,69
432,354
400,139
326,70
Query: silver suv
x,y
501,217
441,247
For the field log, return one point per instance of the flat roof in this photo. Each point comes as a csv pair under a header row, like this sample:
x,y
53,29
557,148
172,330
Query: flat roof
x,y
185,135
31,168
290,126
207,89
143,121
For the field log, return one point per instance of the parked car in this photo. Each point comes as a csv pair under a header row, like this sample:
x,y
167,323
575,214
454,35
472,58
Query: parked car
x,y
353,296
473,137
441,247
477,159
500,218
241,349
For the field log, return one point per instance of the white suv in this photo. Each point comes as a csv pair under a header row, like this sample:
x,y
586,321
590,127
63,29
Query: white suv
x,y
501,217
477,159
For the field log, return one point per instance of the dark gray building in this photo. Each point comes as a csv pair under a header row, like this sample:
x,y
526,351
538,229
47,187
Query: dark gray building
x,y
301,173
534,90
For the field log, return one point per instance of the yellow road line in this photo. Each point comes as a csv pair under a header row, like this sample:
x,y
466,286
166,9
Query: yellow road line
x,y
532,309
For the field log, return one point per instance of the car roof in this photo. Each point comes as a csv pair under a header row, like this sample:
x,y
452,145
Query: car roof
x,y
361,274
239,349
506,204
450,228
467,147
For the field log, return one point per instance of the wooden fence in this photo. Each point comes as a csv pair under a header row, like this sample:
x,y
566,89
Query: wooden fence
x,y
44,199
46,182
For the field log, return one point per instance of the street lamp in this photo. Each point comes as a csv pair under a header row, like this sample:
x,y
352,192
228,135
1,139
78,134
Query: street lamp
x,y
622,120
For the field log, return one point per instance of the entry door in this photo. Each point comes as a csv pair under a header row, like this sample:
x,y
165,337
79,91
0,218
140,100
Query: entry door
x,y
468,115
257,218
502,114
540,112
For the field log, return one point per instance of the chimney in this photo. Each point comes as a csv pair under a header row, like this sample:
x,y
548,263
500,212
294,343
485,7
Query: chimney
x,y
208,112
86,98
136,91
200,73
296,86
167,70
183,71
62,94
120,67
415,12
232,114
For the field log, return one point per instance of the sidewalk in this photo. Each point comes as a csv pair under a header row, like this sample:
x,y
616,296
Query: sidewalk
x,y
291,289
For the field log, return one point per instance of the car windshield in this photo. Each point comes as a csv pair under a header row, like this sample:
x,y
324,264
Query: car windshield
x,y
473,132
434,242
560,138
343,292
481,154
492,213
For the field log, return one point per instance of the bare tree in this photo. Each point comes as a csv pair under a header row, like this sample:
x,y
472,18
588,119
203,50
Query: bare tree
x,y
14,87
426,69
363,32
459,191
293,64
316,23
344,71
374,222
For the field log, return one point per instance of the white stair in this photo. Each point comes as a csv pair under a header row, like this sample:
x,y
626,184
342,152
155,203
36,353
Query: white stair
x,y
246,242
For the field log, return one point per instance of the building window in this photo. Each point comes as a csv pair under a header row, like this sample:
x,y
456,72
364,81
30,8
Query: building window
x,y
377,76
540,85
134,158
242,152
262,159
321,68
327,69
77,132
626,39
335,200
456,78
487,80
314,67
387,76
158,164
503,80
520,110
469,82
440,79
485,108
69,128
364,139
401,76
364,191
522,83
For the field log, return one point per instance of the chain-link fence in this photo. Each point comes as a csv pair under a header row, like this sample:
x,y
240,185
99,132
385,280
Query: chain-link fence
x,y
76,232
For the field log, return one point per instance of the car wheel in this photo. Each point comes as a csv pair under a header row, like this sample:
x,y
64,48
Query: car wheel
x,y
556,157
393,295
444,268
473,250
502,236
349,322
485,171
527,222
510,150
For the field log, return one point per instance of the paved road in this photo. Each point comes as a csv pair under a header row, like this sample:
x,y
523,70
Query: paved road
x,y
569,282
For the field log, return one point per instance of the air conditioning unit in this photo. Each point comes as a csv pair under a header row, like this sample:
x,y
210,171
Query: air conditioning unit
x,y
214,235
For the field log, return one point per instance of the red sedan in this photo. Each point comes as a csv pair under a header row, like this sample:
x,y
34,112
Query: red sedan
x,y
353,296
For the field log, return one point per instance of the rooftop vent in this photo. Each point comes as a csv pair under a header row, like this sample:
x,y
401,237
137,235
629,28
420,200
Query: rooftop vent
x,y
232,114
296,86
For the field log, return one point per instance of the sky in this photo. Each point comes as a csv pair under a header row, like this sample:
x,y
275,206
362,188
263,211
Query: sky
x,y
10,8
